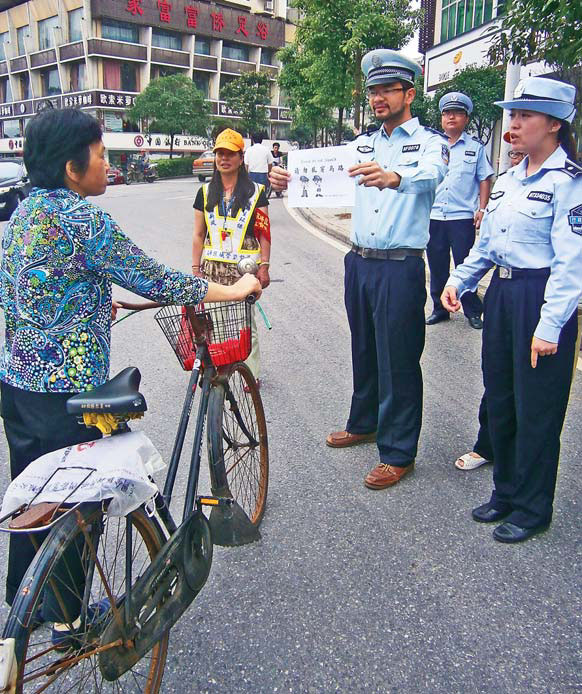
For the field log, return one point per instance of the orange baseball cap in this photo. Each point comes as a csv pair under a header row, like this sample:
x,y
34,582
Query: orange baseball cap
x,y
229,139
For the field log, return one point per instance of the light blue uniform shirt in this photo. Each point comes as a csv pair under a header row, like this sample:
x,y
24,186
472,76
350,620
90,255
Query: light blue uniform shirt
x,y
457,196
399,218
534,222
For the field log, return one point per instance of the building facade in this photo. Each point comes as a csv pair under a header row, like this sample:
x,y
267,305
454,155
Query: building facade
x,y
99,54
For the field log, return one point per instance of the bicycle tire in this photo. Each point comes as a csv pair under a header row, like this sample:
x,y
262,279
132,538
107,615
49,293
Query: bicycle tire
x,y
246,475
40,667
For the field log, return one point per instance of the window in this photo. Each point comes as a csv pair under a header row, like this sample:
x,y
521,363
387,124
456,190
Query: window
x,y
3,39
267,56
21,34
51,83
75,17
46,37
12,128
24,83
459,16
5,91
202,46
166,39
235,51
77,77
202,82
119,76
119,31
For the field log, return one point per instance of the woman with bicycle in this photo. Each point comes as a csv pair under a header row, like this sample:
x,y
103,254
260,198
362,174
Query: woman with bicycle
x,y
231,222
61,254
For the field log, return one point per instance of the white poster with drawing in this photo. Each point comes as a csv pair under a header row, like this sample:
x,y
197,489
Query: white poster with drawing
x,y
319,177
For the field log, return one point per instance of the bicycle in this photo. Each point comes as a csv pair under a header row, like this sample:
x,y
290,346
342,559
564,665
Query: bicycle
x,y
144,568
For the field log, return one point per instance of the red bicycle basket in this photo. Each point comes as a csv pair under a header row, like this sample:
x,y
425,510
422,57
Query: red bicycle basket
x,y
227,328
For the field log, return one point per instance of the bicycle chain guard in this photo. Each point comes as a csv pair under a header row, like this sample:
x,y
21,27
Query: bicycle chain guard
x,y
161,595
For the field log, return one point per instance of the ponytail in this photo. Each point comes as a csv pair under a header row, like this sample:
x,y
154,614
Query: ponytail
x,y
566,140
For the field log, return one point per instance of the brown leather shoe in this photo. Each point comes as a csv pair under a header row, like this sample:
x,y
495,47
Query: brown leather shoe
x,y
383,476
343,439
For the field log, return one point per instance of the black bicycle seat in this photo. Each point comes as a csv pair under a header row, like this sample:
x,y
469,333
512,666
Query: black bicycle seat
x,y
120,395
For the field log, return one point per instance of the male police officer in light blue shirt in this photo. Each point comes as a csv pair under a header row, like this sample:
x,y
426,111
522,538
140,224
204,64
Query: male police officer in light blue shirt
x,y
458,207
398,170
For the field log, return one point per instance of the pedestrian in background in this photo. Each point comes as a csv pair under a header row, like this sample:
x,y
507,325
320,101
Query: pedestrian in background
x,y
532,235
458,207
258,160
231,222
399,168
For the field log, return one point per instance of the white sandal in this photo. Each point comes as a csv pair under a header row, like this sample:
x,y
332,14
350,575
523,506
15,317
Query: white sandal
x,y
469,462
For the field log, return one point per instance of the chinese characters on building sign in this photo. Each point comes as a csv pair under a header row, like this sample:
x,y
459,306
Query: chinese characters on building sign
x,y
217,17
77,100
118,100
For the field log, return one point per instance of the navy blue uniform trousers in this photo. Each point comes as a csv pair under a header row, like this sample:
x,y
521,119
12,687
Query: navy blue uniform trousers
x,y
385,306
525,407
35,424
458,236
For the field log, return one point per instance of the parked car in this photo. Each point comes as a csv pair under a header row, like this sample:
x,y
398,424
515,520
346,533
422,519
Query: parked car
x,y
203,167
115,176
14,185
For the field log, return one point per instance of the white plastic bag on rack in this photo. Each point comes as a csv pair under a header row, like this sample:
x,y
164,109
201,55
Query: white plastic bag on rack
x,y
121,465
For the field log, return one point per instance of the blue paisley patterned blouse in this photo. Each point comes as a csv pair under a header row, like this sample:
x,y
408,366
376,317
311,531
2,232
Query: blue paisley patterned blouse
x,y
60,255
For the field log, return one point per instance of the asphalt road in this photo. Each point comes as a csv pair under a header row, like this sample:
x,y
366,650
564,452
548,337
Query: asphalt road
x,y
351,590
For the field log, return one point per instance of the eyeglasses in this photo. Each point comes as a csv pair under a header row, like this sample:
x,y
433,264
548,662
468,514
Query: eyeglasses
x,y
376,91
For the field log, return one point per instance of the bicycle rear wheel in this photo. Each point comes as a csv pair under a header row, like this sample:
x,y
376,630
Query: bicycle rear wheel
x,y
237,441
90,545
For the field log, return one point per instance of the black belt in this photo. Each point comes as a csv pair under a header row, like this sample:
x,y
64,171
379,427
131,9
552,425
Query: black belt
x,y
511,273
387,253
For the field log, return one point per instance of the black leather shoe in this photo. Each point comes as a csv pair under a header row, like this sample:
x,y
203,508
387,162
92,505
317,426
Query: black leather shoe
x,y
510,533
475,322
435,318
487,514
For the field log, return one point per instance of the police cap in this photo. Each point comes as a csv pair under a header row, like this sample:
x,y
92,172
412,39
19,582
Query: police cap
x,y
384,66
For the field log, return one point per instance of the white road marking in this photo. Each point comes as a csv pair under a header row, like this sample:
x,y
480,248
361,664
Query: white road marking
x,y
338,245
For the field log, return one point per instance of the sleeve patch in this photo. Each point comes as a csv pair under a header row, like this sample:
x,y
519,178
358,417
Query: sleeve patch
x,y
575,220
445,153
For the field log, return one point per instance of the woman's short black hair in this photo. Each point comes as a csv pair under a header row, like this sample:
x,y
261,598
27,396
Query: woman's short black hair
x,y
54,137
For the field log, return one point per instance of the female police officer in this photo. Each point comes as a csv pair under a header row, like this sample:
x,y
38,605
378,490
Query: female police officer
x,y
532,233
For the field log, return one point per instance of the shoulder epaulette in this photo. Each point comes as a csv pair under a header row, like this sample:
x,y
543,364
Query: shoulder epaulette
x,y
433,130
501,174
477,140
572,169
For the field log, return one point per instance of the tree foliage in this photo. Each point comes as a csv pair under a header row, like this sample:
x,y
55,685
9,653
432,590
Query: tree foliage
x,y
549,30
321,70
175,105
246,96
483,85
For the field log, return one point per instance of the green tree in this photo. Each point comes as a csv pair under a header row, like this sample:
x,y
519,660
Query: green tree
x,y
324,62
246,96
424,107
483,85
175,105
549,30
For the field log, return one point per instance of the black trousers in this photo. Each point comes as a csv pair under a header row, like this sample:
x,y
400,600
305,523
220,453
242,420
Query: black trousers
x,y
458,236
35,424
483,444
525,407
385,306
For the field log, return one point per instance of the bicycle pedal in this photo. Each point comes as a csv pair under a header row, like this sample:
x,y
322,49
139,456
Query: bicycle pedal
x,y
215,501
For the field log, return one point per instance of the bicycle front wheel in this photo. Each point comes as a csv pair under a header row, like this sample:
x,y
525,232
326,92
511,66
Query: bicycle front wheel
x,y
82,563
237,441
